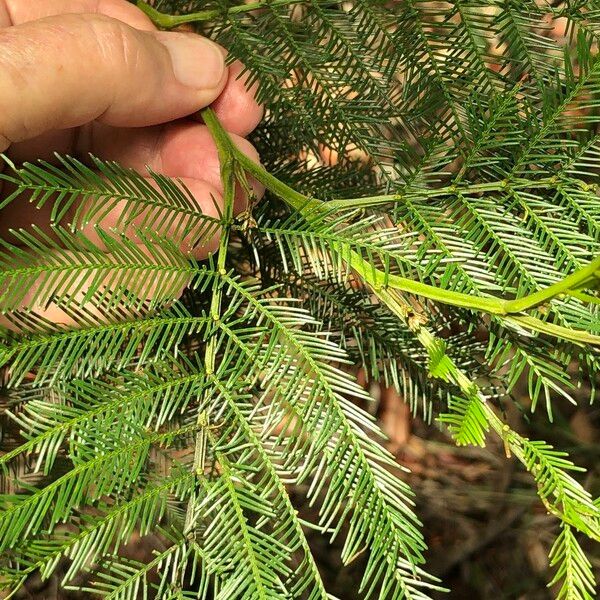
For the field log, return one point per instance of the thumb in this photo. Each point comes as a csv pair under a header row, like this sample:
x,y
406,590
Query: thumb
x,y
65,71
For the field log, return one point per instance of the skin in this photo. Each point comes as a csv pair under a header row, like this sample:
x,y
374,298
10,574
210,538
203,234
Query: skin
x,y
95,76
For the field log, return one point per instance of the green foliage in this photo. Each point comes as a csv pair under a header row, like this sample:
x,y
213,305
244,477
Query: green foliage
x,y
466,421
574,569
450,250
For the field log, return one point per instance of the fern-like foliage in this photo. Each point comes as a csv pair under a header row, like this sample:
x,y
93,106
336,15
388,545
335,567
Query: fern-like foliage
x,y
432,216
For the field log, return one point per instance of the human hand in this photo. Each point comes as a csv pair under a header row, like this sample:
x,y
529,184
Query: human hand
x,y
95,76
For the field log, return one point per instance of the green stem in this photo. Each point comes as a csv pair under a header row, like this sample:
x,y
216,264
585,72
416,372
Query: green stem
x,y
312,209
227,157
226,160
167,21
578,336
477,188
580,278
379,280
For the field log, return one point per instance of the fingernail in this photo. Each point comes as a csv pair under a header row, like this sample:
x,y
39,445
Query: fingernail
x,y
197,62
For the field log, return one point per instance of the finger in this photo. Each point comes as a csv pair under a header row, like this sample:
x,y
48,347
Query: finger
x,y
236,107
15,12
65,71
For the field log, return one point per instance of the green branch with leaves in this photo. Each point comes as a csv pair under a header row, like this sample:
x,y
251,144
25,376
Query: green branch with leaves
x,y
432,217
